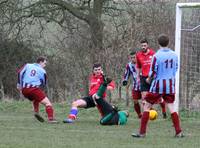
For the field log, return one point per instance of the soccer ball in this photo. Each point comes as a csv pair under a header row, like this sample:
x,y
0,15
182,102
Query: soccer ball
x,y
153,114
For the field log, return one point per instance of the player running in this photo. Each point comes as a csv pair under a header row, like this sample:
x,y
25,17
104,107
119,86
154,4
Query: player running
x,y
31,79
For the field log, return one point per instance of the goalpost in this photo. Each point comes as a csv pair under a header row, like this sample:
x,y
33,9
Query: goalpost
x,y
187,47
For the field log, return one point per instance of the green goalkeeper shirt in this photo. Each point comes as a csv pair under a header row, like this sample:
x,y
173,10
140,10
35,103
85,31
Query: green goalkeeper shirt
x,y
122,118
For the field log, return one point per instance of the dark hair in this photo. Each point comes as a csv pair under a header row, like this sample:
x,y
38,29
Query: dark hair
x,y
96,65
144,41
41,59
163,40
132,53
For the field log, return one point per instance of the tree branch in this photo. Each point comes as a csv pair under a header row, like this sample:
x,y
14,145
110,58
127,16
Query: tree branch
x,y
69,7
2,2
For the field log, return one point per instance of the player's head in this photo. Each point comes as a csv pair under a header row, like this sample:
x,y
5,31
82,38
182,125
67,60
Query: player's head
x,y
97,69
144,45
163,40
42,61
132,56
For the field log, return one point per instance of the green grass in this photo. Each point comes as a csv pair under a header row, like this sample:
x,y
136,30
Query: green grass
x,y
18,129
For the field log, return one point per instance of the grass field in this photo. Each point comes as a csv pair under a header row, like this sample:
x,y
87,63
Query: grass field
x,y
18,129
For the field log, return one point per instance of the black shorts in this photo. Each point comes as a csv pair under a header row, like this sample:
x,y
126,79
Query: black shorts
x,y
144,86
89,101
113,121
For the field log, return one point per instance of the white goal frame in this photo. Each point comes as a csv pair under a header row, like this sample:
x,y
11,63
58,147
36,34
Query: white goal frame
x,y
179,7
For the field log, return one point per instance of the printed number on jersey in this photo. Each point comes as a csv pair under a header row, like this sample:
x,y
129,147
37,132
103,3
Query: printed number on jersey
x,y
169,63
33,72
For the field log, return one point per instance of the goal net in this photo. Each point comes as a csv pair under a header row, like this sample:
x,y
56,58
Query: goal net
x,y
187,46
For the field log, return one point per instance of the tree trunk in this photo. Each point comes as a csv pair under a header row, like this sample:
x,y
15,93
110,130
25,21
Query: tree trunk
x,y
96,28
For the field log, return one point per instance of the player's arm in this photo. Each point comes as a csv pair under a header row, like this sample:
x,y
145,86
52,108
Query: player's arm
x,y
138,67
153,70
139,71
126,75
43,79
20,74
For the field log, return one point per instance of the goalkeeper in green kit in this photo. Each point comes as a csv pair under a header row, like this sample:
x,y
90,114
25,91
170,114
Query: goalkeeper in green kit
x,y
111,115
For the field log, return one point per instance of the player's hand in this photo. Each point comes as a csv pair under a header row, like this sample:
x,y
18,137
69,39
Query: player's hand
x,y
115,108
138,79
148,80
124,83
19,87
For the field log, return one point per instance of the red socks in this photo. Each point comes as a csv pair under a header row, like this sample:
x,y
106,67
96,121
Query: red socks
x,y
36,105
137,109
162,104
176,122
144,121
49,111
100,110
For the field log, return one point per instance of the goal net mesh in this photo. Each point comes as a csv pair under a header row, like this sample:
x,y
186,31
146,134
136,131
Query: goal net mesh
x,y
189,91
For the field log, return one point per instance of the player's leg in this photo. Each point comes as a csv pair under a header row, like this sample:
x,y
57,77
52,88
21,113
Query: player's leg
x,y
110,115
110,119
149,99
99,94
85,102
144,88
100,110
174,115
36,105
41,97
136,95
163,107
49,110
105,106
37,96
103,87
143,93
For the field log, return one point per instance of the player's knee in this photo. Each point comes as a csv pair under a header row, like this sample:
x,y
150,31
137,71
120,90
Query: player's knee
x,y
79,103
135,101
102,123
76,103
171,107
147,106
144,94
46,102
